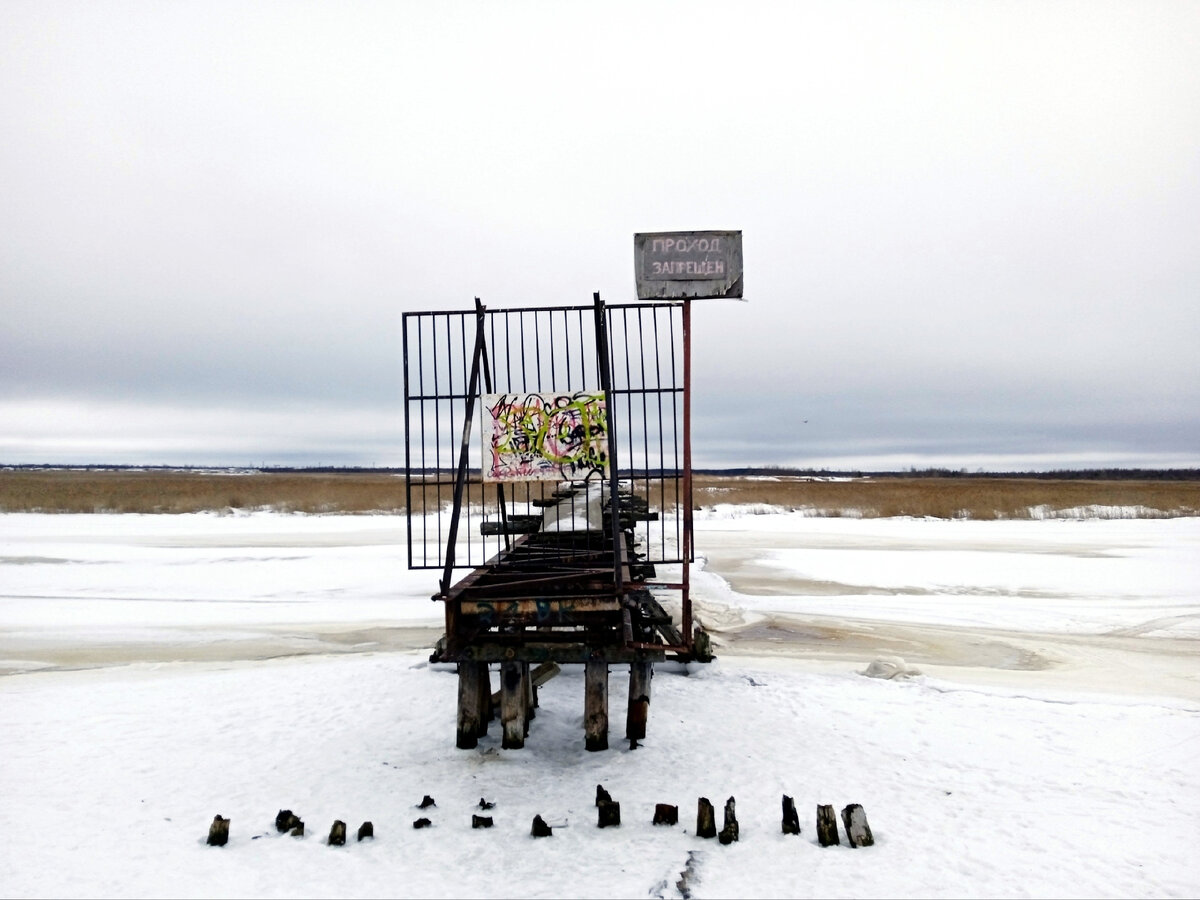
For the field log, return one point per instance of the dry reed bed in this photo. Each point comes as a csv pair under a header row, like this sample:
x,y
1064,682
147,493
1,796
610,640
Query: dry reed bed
x,y
123,491
156,491
949,497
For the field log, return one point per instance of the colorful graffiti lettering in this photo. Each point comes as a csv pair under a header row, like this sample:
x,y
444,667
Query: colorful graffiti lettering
x,y
536,437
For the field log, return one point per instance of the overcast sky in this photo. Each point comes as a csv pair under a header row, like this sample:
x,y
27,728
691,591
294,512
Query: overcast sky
x,y
971,230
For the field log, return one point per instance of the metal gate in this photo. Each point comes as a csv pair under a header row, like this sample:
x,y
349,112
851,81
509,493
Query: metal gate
x,y
632,354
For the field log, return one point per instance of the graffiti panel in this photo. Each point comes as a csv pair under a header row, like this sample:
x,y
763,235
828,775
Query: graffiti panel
x,y
544,436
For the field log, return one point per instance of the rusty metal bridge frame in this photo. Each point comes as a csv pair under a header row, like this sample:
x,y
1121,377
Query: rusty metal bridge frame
x,y
563,571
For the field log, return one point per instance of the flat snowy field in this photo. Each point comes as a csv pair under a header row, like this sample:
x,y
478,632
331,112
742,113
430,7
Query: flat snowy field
x,y
1040,742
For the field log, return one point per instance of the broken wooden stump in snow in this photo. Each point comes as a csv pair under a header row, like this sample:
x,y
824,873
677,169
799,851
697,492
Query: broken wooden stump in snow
x,y
666,814
337,834
610,814
486,804
366,830
729,832
540,828
285,820
481,821
791,820
706,819
602,796
858,832
827,830
426,802
422,823
218,832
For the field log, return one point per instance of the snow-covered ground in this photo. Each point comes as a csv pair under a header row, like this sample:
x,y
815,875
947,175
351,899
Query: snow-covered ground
x,y
159,670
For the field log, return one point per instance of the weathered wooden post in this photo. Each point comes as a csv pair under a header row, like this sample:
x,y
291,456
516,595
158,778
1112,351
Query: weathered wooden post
x,y
827,830
218,832
706,819
472,689
640,674
337,834
526,697
858,832
366,830
729,830
595,704
512,705
609,813
530,693
487,711
666,814
791,820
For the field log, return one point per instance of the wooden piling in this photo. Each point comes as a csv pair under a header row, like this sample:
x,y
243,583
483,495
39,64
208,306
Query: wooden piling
x,y
468,706
486,711
791,820
858,832
608,814
337,834
218,832
512,705
729,831
666,814
706,819
595,704
640,674
530,693
526,698
827,830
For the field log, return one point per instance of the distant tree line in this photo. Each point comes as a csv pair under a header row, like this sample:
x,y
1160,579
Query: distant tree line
x,y
1094,474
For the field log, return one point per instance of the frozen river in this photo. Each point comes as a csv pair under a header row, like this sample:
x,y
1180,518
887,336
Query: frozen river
x,y
1106,604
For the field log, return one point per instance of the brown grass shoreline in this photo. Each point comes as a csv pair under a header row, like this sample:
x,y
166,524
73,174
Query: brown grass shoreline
x,y
166,491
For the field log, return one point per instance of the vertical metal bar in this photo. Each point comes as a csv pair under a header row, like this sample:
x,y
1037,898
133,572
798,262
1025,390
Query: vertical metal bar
x,y
645,412
524,368
487,383
659,383
424,466
407,439
567,351
537,352
688,637
508,352
604,361
550,334
582,356
678,517
460,479
462,319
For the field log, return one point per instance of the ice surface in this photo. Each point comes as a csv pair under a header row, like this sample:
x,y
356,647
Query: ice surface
x,y
164,669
